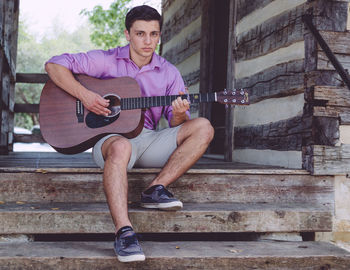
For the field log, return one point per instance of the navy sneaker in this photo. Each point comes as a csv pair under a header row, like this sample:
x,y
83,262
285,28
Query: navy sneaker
x,y
159,197
127,248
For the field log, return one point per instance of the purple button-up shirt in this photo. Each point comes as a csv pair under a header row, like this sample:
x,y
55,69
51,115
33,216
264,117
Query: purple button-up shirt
x,y
158,78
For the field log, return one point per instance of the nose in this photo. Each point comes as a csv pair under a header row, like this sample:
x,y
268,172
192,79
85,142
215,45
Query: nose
x,y
147,39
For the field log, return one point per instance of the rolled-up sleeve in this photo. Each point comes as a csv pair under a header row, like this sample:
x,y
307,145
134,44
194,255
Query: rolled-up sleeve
x,y
175,85
91,63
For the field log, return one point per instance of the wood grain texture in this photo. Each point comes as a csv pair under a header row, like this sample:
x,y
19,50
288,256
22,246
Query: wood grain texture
x,y
31,218
208,255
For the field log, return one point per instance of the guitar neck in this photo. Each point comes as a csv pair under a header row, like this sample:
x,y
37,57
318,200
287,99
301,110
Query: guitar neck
x,y
159,101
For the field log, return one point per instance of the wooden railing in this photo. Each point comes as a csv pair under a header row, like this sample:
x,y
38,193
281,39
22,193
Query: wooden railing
x,y
29,108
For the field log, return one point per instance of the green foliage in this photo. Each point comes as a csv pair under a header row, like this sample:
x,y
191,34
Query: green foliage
x,y
32,55
108,25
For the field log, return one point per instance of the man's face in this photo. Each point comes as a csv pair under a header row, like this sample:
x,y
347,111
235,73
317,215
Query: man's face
x,y
143,38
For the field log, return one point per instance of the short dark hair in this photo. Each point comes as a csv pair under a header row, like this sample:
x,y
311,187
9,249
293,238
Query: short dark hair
x,y
145,13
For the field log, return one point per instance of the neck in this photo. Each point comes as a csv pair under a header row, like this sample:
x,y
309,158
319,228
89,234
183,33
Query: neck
x,y
140,61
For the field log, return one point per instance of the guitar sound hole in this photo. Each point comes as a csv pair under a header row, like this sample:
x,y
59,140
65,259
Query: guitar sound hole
x,y
114,104
97,121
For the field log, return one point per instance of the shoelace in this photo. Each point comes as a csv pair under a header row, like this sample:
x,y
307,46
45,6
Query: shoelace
x,y
129,240
165,192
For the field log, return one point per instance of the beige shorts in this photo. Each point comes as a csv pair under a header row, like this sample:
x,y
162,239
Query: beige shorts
x,y
150,149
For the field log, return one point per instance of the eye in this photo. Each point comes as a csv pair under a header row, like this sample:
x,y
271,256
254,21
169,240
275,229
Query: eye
x,y
139,34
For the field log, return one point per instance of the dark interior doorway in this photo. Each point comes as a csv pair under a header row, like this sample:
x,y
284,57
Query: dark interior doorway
x,y
214,55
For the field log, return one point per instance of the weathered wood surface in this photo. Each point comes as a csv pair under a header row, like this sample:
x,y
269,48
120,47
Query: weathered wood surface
x,y
180,255
327,160
31,78
198,185
8,51
335,101
278,81
187,47
284,135
188,13
343,113
32,218
334,96
28,138
246,7
279,31
330,15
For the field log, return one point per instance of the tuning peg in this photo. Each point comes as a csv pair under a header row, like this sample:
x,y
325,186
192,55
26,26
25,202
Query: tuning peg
x,y
225,91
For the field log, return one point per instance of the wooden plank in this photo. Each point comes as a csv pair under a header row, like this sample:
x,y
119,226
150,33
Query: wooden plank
x,y
281,80
32,218
29,138
26,108
343,113
184,16
334,96
192,79
210,255
195,186
327,160
187,47
330,15
246,7
285,135
279,31
31,78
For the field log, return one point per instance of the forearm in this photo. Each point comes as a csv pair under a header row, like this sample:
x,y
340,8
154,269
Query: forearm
x,y
64,79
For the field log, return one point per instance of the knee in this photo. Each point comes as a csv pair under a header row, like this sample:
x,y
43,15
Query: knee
x,y
119,149
204,129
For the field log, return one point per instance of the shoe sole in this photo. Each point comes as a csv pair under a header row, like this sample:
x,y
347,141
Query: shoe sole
x,y
131,258
171,206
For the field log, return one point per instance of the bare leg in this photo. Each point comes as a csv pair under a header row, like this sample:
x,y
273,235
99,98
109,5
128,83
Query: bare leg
x,y
193,139
116,151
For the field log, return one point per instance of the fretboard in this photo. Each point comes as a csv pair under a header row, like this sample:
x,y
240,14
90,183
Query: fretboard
x,y
159,101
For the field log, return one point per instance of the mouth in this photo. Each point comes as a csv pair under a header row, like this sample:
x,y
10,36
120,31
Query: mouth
x,y
147,49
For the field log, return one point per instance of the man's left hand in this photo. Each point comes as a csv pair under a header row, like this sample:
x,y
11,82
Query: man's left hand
x,y
180,107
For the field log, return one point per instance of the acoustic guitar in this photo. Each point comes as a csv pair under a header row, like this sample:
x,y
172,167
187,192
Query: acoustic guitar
x,y
70,128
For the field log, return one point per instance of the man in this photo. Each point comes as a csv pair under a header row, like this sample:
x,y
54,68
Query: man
x,y
175,149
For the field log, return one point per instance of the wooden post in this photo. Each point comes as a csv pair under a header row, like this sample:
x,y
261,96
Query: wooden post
x,y
8,51
229,130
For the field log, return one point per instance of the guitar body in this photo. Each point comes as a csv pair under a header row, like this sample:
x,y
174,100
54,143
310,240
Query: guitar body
x,y
59,123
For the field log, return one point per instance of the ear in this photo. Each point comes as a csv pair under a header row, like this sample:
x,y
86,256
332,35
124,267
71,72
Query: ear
x,y
127,35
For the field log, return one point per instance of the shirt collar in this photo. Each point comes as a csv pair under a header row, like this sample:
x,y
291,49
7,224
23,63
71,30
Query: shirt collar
x,y
124,53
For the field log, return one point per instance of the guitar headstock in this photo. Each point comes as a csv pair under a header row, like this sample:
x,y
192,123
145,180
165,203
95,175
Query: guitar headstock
x,y
233,97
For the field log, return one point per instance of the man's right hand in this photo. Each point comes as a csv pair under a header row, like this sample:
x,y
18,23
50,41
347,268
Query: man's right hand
x,y
95,103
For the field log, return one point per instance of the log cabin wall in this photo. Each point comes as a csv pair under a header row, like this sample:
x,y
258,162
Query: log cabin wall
x,y
328,99
270,57
280,63
181,35
9,11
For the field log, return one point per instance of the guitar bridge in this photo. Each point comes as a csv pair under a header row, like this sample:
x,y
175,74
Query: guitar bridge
x,y
79,111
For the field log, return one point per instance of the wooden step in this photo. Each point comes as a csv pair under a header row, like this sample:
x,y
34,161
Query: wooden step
x,y
197,185
175,255
36,218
